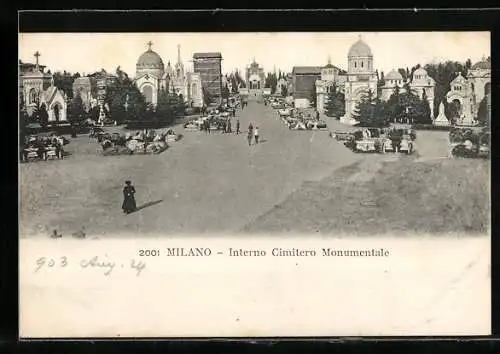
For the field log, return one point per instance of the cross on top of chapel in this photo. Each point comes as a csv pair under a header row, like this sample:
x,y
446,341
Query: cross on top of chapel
x,y
149,45
37,55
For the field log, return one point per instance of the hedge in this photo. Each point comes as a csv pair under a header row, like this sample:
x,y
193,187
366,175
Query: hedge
x,y
430,127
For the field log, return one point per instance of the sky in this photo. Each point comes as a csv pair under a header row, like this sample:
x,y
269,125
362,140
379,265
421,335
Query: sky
x,y
89,52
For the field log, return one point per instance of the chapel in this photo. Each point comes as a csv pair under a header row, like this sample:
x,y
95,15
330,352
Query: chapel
x,y
37,91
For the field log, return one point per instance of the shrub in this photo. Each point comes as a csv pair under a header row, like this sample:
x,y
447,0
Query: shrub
x,y
430,127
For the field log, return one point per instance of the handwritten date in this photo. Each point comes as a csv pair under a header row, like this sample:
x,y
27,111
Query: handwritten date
x,y
97,262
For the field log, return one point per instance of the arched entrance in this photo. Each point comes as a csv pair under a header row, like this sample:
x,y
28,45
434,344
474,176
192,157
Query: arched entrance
x,y
32,97
56,110
455,109
147,92
487,88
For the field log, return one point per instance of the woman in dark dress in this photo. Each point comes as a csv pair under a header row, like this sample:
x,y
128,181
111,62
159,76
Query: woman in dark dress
x,y
128,205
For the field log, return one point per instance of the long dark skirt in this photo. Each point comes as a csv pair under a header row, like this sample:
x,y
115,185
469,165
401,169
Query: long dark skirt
x,y
129,204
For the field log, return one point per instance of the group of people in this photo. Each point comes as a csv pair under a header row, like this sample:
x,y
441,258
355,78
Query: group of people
x,y
253,133
224,125
41,145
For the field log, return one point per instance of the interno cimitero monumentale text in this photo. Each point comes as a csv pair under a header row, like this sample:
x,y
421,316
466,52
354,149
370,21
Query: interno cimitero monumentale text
x,y
264,252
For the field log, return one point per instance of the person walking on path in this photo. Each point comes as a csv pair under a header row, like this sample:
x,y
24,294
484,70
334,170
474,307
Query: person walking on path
x,y
238,127
250,134
129,204
256,134
207,126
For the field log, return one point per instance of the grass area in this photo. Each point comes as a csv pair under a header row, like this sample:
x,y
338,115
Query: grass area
x,y
389,197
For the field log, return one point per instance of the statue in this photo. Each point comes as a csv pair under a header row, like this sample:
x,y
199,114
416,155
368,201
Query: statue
x,y
441,119
102,114
441,109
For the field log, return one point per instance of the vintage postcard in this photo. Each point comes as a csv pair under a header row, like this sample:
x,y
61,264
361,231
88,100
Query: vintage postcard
x,y
254,184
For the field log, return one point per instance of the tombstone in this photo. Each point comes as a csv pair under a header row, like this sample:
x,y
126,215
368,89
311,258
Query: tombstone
x,y
441,119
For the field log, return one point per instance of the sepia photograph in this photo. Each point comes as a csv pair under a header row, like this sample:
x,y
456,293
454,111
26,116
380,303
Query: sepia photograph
x,y
371,148
181,133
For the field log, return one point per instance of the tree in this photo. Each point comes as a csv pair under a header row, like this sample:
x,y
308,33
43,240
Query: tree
x,y
234,83
370,111
124,99
422,112
403,73
482,112
284,90
41,115
239,79
452,110
271,81
335,104
177,104
225,91
94,113
64,81
23,119
468,64
394,107
410,78
164,111
443,74
76,110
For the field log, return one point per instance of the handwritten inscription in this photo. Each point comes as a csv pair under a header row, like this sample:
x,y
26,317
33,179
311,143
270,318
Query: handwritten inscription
x,y
97,262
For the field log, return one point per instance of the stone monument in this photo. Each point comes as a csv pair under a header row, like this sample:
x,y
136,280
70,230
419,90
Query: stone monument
x,y
441,119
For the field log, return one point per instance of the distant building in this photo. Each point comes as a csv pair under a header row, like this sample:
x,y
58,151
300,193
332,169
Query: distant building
x,y
281,86
392,80
84,86
180,81
360,79
209,67
422,83
152,77
304,84
255,76
331,77
37,91
467,93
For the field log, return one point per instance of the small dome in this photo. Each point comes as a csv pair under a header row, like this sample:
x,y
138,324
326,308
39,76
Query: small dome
x,y
420,71
360,49
393,75
150,59
483,64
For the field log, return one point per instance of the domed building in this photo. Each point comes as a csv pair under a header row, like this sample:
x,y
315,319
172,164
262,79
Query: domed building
x,y
150,63
421,84
152,76
360,79
149,76
331,77
467,93
392,80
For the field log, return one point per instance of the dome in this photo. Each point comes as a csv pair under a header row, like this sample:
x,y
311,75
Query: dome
x,y
483,64
360,49
420,71
150,59
393,75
